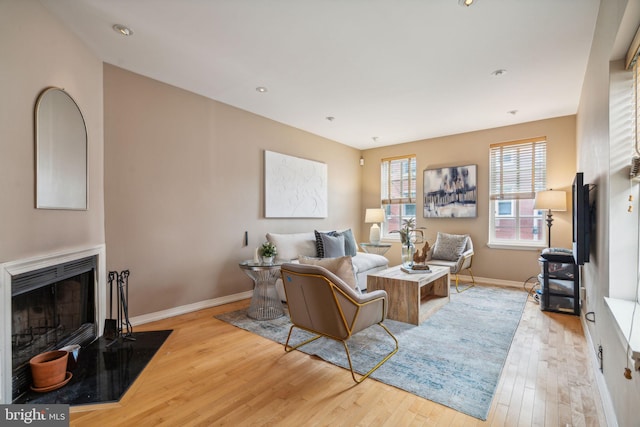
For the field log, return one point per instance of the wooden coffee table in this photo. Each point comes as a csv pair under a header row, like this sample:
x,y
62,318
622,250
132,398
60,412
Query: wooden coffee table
x,y
412,297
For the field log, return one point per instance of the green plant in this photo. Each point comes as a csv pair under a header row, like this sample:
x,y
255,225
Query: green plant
x,y
268,249
409,232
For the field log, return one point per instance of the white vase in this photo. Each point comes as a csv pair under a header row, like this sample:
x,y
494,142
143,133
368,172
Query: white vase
x,y
267,260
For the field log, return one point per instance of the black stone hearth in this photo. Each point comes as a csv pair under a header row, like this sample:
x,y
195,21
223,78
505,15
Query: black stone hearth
x,y
103,372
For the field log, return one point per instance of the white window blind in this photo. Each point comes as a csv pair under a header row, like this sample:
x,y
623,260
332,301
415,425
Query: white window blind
x,y
636,85
631,63
518,169
398,176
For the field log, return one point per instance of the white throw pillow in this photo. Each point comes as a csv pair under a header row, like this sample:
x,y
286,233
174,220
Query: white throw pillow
x,y
292,245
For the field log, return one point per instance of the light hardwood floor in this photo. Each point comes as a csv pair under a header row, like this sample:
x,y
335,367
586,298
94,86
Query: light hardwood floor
x,y
210,373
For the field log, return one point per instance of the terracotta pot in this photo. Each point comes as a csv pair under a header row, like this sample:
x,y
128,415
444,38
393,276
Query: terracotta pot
x,y
48,369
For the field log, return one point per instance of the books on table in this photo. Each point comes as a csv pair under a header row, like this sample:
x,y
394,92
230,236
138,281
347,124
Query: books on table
x,y
409,270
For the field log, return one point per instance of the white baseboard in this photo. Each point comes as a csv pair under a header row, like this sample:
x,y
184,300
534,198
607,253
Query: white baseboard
x,y
176,311
487,281
605,397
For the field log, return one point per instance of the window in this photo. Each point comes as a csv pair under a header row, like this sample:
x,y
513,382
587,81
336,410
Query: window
x,y
504,208
517,171
623,308
398,192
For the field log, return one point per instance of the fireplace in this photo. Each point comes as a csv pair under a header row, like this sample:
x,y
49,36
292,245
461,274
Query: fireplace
x,y
49,302
50,308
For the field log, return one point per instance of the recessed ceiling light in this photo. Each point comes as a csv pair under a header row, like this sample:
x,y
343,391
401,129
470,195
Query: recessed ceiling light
x,y
466,3
499,72
261,89
123,29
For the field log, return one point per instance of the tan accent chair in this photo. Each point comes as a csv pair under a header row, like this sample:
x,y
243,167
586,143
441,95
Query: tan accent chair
x,y
463,262
321,303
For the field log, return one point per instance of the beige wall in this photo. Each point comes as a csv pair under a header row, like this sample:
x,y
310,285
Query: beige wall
x,y
184,181
38,52
473,148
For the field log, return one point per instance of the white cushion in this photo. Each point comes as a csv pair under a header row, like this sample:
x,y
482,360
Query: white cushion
x,y
291,245
451,264
365,261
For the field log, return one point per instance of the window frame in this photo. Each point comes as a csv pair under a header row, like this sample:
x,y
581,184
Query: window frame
x,y
407,196
517,185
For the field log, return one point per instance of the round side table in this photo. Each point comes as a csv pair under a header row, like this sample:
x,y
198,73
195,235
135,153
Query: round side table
x,y
375,248
265,302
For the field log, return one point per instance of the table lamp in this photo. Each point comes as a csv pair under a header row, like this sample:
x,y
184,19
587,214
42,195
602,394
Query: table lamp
x,y
374,216
551,200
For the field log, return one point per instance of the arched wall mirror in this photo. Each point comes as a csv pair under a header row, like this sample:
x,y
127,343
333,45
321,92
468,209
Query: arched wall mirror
x,y
61,152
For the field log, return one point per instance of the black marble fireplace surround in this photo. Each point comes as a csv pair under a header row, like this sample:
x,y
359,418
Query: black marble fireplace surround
x,y
56,306
105,370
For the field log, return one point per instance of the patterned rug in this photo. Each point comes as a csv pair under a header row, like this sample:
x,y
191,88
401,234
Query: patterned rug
x,y
454,358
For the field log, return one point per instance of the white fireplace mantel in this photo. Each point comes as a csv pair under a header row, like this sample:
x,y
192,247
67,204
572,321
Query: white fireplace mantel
x,y
13,268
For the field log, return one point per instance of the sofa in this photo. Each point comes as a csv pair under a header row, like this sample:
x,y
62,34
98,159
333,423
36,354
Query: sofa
x,y
318,245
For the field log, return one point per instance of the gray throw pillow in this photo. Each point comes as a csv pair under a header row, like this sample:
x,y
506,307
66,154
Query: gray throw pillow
x,y
333,245
449,247
319,244
350,245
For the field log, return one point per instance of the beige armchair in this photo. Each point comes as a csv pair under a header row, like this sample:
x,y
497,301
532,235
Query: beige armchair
x,y
454,251
321,303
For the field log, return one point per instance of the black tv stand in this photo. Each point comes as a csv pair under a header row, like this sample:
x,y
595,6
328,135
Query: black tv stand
x,y
559,281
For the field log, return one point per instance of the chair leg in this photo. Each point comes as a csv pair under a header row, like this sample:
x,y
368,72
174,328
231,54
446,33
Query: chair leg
x,y
289,348
473,282
365,376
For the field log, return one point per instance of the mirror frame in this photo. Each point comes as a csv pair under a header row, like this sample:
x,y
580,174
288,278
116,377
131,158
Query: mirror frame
x,y
61,152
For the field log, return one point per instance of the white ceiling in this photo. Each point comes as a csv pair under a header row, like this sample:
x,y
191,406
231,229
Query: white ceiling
x,y
398,70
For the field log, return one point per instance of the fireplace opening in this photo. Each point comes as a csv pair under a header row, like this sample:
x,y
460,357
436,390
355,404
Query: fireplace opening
x,y
51,308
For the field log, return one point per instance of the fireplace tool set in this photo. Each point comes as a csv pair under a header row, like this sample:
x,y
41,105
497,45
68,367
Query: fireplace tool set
x,y
120,327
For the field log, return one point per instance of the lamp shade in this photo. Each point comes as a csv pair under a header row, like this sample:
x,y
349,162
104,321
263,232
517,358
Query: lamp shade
x,y
374,215
554,200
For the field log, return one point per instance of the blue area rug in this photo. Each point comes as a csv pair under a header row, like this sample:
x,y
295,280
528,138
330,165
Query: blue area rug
x,y
454,358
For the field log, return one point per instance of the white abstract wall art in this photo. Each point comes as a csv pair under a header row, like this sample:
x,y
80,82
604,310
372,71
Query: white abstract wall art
x,y
294,187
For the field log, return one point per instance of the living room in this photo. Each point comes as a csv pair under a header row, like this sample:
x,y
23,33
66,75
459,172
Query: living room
x,y
175,179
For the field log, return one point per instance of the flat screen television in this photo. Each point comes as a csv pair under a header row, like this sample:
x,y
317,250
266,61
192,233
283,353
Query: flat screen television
x,y
581,210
